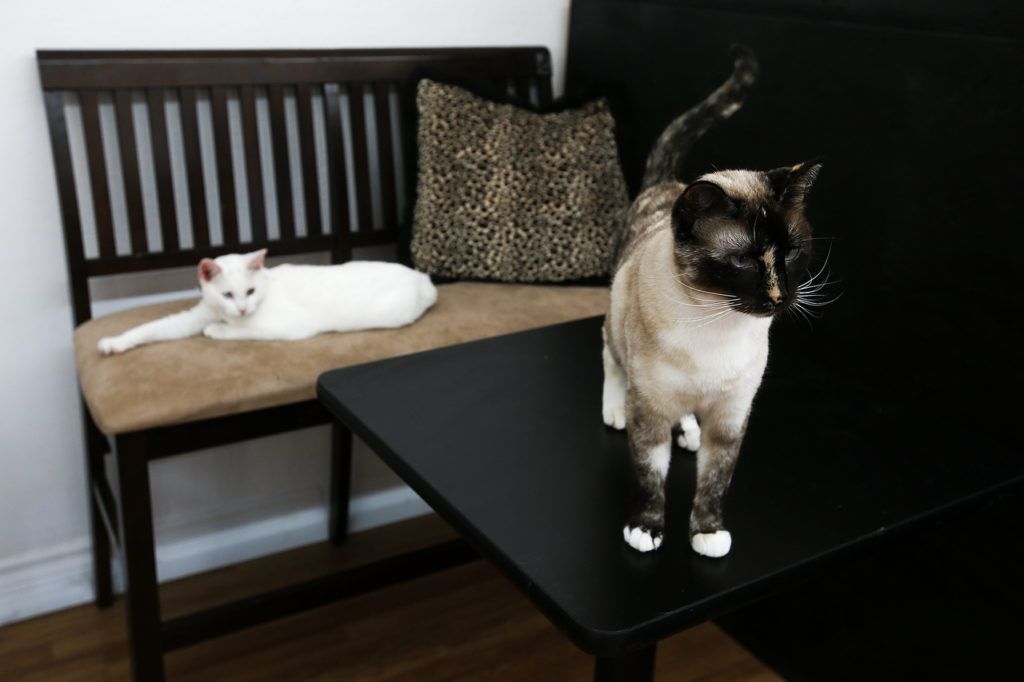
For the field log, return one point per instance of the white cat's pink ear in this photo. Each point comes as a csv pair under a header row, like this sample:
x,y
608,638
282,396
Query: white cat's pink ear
x,y
208,269
257,259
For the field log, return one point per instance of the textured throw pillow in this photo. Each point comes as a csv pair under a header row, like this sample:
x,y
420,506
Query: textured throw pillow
x,y
511,195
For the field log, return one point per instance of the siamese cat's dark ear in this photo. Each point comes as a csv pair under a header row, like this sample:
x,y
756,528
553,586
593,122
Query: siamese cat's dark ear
x,y
700,200
792,183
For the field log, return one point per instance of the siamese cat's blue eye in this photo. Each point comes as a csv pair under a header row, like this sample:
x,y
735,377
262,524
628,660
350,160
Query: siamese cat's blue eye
x,y
250,292
792,253
740,261
228,294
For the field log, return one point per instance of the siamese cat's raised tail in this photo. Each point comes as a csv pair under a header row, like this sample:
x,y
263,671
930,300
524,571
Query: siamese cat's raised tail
x,y
675,141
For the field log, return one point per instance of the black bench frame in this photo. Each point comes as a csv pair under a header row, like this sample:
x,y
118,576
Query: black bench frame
x,y
121,515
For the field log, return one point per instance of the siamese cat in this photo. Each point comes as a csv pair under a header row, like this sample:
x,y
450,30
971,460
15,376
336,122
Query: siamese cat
x,y
702,270
243,299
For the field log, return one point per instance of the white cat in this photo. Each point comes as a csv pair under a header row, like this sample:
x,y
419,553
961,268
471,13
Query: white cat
x,y
242,299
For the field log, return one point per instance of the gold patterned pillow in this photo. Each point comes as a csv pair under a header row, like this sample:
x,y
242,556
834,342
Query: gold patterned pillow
x,y
511,195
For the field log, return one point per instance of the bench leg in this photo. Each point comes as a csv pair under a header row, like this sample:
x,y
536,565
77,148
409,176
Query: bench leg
x,y
96,448
139,559
341,481
635,666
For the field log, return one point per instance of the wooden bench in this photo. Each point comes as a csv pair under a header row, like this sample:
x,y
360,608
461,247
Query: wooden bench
x,y
163,158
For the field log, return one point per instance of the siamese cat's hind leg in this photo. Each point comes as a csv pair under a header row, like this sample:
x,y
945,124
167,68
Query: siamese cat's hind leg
x,y
650,448
613,403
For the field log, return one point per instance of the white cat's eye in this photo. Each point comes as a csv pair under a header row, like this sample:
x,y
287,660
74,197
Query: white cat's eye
x,y
228,294
250,292
740,261
792,253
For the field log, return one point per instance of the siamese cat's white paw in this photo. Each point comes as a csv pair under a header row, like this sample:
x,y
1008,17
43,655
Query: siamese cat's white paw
x,y
639,539
615,414
112,345
689,436
714,545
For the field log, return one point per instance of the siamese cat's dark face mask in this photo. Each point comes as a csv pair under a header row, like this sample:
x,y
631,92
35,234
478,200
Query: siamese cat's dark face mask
x,y
743,235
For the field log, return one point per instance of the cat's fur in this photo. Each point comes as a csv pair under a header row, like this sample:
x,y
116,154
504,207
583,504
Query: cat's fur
x,y
701,272
243,299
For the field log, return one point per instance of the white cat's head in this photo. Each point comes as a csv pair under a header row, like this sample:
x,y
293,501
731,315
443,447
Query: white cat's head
x,y
234,284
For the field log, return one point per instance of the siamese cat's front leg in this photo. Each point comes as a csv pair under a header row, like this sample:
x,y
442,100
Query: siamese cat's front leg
x,y
650,446
725,423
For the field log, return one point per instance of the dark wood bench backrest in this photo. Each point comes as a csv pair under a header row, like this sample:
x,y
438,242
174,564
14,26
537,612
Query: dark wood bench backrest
x,y
164,157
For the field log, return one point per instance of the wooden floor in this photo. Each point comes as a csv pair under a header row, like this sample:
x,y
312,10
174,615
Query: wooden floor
x,y
466,623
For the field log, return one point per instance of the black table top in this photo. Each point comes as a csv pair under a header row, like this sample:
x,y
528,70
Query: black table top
x,y
504,439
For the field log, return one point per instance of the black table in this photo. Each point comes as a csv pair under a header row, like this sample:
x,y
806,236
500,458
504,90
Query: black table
x,y
504,439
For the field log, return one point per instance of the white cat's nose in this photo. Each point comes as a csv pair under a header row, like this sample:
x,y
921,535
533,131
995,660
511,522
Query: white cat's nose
x,y
243,311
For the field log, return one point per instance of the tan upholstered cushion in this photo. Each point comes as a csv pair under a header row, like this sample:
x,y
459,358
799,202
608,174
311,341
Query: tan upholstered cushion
x,y
198,378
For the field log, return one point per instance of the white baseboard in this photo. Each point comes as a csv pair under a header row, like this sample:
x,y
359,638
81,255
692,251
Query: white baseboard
x,y
60,576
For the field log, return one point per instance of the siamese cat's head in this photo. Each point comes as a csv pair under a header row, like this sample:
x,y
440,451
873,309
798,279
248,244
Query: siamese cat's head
x,y
234,284
744,235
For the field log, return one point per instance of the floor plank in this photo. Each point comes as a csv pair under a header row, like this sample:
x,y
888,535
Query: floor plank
x,y
465,624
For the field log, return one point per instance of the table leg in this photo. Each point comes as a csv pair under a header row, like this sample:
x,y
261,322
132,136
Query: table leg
x,y
634,666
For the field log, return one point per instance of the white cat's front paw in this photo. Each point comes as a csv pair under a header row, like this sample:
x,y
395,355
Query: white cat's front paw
x,y
713,545
641,539
615,415
112,345
217,330
689,436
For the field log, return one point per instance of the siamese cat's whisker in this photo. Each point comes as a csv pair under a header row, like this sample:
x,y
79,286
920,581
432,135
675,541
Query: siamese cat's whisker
x,y
714,318
716,304
797,314
800,305
819,303
706,316
713,305
822,268
710,293
815,288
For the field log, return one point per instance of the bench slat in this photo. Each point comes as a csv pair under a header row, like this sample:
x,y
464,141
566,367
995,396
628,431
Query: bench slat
x,y
225,165
361,163
130,172
90,107
156,103
188,98
253,164
385,154
336,181
282,162
307,147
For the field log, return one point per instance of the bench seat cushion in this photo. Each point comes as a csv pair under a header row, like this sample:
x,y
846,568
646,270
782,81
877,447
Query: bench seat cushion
x,y
199,378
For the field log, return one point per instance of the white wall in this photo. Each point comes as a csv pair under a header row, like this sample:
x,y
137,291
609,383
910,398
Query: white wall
x,y
211,507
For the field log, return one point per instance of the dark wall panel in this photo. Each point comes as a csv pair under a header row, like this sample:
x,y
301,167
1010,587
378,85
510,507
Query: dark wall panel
x,y
920,131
